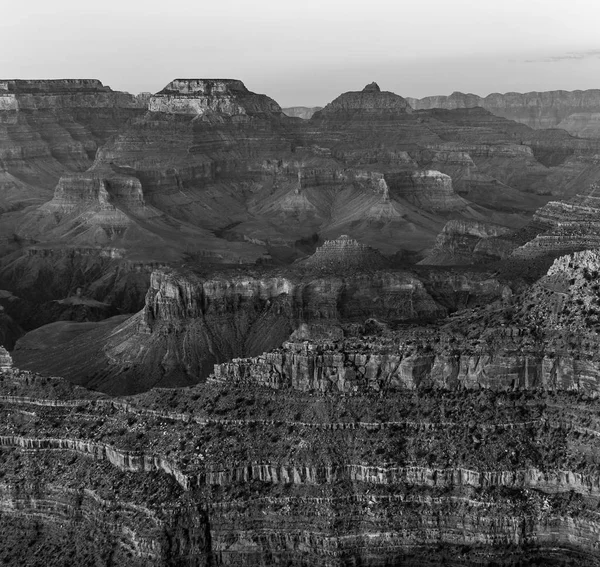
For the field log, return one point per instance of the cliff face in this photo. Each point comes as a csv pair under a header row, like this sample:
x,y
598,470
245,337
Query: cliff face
x,y
229,97
574,111
50,127
465,242
257,467
190,323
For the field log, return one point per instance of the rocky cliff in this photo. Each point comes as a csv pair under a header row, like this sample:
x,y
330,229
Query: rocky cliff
x,y
269,464
575,111
189,323
51,127
200,96
565,226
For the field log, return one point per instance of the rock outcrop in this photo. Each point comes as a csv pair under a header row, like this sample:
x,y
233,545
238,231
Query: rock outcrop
x,y
190,323
565,226
429,190
345,253
259,467
228,97
468,242
5,360
371,100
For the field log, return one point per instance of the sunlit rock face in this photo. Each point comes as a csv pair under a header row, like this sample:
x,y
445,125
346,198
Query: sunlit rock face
x,y
223,96
345,253
5,360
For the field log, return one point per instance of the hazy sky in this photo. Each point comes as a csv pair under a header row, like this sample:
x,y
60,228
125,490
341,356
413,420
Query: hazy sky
x,y
309,51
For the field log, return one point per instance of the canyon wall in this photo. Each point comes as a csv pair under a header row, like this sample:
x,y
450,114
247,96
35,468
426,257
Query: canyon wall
x,y
574,111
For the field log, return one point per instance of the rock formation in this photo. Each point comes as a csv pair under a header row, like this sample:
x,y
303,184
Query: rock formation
x,y
228,97
574,111
565,226
371,100
50,127
5,360
465,242
334,412
190,323
345,253
413,446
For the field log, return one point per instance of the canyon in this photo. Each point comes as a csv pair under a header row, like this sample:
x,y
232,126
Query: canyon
x,y
236,334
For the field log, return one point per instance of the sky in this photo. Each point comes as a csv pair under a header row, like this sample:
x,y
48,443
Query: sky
x,y
307,52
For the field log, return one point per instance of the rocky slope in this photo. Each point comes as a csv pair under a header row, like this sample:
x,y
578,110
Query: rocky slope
x,y
189,323
268,464
575,111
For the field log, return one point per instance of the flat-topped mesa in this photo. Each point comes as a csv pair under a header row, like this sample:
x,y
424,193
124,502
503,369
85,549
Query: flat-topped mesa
x,y
5,360
371,100
41,86
35,94
428,189
345,253
228,97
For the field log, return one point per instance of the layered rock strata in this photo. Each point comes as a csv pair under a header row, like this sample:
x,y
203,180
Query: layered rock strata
x,y
51,127
536,109
5,360
345,253
189,323
368,101
229,97
466,242
236,474
565,226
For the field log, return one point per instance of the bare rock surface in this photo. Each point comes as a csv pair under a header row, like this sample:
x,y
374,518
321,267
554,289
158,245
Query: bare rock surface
x,y
550,109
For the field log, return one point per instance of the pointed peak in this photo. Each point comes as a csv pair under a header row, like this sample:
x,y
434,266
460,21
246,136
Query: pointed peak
x,y
372,88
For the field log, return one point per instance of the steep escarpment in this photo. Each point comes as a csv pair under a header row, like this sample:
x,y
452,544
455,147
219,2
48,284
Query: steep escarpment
x,y
236,473
572,110
189,323
51,127
223,96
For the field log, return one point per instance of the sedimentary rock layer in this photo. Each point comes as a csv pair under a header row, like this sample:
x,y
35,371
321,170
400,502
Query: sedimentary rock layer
x,y
573,111
223,475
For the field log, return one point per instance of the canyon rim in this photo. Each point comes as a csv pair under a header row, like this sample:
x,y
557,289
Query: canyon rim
x,y
270,300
